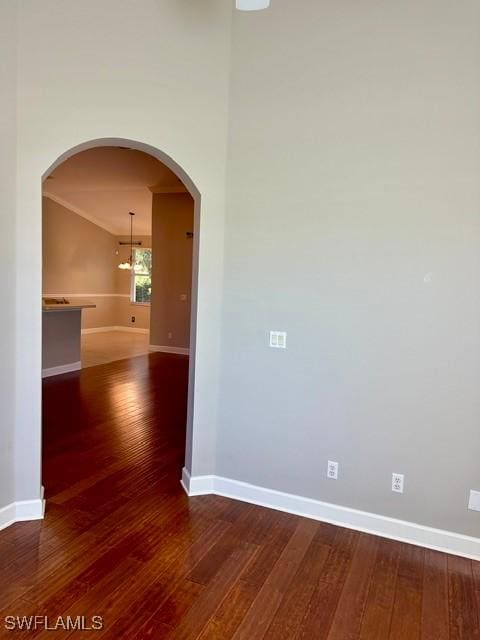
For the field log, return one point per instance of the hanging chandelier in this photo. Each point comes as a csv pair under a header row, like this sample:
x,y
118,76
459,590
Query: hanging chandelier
x,y
129,264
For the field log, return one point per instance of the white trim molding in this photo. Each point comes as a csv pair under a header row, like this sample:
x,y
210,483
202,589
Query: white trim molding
x,y
22,511
198,485
86,332
85,295
132,330
60,369
373,523
181,351
186,480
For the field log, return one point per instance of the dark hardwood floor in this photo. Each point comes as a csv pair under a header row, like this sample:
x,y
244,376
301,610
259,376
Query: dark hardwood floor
x,y
122,541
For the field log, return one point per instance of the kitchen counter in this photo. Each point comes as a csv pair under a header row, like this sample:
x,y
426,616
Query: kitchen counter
x,y
66,306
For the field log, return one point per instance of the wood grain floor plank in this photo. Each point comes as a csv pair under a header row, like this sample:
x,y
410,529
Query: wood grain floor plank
x,y
192,623
355,591
464,620
272,537
381,594
323,604
407,610
259,617
227,618
122,540
476,574
435,610
288,619
169,568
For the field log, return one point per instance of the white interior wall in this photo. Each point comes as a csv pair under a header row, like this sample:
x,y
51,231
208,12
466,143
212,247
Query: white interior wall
x,y
8,51
158,75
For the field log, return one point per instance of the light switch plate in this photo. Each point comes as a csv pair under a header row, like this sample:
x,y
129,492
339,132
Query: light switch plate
x,y
278,339
474,501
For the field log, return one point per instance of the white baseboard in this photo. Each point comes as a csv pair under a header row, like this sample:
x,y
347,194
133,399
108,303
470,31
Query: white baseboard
x,y
132,330
30,510
186,481
178,350
63,368
85,295
86,332
22,511
7,515
403,531
198,485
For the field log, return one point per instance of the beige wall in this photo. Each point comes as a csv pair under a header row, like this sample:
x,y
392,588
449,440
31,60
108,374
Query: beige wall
x,y
125,308
122,278
172,218
8,159
78,255
78,259
81,258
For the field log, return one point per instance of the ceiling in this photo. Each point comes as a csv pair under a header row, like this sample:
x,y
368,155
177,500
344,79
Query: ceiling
x,y
105,183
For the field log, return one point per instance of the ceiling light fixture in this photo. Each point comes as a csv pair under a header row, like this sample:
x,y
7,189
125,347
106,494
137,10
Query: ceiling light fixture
x,y
252,5
129,264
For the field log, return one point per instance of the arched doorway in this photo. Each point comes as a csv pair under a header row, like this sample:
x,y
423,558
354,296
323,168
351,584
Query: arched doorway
x,y
195,194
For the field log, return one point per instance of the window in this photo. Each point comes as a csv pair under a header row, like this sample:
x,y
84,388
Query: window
x,y
142,276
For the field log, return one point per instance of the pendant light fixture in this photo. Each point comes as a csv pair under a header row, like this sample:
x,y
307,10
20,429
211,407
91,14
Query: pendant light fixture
x,y
129,264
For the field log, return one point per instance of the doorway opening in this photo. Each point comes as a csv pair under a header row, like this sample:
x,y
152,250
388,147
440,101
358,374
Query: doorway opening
x,y
120,264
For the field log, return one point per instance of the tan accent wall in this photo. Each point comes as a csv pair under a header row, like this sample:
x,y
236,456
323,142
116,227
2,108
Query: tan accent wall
x,y
125,309
79,257
122,278
172,218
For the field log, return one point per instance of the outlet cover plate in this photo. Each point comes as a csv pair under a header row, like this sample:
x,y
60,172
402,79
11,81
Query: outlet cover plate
x,y
398,480
332,470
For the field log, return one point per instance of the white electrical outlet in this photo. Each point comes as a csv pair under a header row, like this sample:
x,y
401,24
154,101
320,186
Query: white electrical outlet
x,y
278,339
397,482
332,470
474,502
